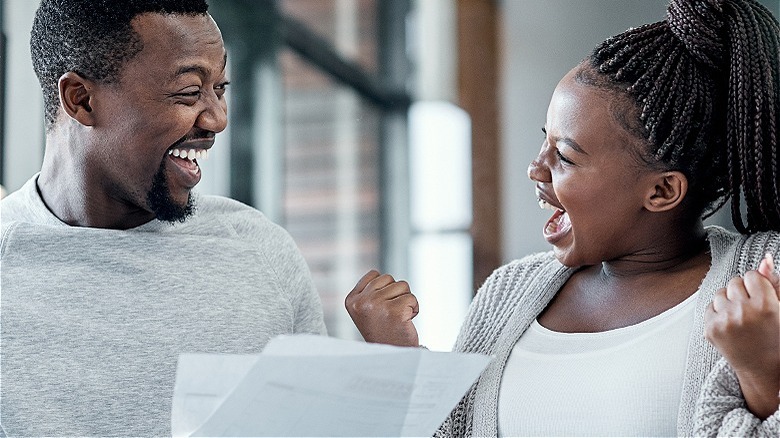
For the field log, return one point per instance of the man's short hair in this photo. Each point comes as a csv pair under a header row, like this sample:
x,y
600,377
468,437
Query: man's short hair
x,y
93,38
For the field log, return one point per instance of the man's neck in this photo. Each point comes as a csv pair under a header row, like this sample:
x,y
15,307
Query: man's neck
x,y
66,190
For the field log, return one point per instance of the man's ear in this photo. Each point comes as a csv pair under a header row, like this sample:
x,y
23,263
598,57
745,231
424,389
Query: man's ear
x,y
75,95
668,191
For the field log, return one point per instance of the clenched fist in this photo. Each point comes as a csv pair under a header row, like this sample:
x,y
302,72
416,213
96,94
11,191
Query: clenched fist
x,y
743,323
383,309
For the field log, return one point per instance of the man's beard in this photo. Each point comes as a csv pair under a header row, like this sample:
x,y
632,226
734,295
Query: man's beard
x,y
162,204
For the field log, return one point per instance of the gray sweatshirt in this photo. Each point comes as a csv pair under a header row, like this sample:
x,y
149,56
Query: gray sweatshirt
x,y
92,321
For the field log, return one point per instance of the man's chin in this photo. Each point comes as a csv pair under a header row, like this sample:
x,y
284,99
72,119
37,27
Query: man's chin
x,y
162,203
173,212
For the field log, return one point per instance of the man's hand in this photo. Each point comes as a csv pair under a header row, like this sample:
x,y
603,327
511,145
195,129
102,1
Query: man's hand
x,y
743,323
382,309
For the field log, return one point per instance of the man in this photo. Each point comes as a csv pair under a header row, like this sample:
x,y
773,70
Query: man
x,y
111,266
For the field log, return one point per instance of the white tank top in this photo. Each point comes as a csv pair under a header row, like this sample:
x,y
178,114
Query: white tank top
x,y
622,382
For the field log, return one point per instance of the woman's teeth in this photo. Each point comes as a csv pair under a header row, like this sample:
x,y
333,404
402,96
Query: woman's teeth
x,y
545,205
190,154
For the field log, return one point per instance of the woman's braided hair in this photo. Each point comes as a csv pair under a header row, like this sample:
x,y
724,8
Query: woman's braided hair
x,y
708,92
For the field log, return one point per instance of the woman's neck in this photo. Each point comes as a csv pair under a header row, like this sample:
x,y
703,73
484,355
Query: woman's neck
x,y
663,254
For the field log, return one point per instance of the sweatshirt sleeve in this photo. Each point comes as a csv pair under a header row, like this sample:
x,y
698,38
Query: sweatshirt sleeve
x,y
722,411
294,274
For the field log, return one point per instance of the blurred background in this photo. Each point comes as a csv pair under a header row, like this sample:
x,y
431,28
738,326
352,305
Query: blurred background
x,y
382,134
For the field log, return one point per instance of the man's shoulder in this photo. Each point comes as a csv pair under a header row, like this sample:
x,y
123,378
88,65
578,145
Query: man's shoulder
x,y
15,207
221,205
229,212
224,215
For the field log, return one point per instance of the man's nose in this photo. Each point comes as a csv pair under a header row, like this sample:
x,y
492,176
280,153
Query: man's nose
x,y
214,116
538,170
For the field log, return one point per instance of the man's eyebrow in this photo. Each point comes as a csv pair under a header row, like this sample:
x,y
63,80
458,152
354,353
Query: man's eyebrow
x,y
572,144
199,69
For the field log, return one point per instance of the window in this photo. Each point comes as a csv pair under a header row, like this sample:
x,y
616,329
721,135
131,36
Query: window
x,y
331,182
317,134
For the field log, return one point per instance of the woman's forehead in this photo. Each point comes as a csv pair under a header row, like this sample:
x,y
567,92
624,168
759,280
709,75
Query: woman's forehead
x,y
593,116
575,104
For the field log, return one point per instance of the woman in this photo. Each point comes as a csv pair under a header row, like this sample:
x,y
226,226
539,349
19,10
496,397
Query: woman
x,y
653,132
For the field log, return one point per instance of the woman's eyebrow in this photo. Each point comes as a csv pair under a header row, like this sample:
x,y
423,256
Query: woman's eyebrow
x,y
572,144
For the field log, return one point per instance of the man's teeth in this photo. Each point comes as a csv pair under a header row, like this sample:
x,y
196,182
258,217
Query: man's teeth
x,y
190,154
545,205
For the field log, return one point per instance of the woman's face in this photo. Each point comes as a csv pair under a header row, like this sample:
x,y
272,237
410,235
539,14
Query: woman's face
x,y
587,173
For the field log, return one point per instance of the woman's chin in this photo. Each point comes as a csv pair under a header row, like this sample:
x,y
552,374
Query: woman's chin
x,y
567,257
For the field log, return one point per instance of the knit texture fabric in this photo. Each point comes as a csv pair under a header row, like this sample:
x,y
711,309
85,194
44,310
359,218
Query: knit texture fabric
x,y
515,294
721,409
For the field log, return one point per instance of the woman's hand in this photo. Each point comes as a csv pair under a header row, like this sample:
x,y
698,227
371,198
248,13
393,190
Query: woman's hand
x,y
743,323
383,309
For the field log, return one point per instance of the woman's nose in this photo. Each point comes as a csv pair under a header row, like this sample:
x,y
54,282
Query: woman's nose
x,y
538,170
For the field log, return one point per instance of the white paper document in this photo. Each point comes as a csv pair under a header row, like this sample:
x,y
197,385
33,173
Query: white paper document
x,y
306,385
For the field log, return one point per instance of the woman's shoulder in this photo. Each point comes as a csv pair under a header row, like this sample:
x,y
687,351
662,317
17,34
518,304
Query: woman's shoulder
x,y
746,249
520,280
519,289
524,269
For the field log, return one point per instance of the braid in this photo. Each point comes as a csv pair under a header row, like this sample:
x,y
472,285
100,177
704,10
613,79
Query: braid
x,y
754,85
707,85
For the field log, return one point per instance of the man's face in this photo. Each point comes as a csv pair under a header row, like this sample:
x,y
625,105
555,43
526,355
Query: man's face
x,y
161,117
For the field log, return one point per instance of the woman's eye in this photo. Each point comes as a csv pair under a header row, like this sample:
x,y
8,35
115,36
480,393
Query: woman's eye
x,y
562,157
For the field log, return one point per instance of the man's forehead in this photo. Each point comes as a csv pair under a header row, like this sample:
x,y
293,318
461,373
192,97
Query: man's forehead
x,y
180,44
176,25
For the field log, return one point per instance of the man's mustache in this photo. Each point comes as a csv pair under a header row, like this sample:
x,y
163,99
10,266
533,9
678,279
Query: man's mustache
x,y
200,134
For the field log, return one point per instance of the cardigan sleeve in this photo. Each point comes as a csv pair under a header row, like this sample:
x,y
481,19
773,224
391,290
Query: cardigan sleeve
x,y
722,411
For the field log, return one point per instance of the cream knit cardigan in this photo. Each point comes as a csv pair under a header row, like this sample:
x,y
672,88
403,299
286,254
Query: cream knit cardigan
x,y
515,294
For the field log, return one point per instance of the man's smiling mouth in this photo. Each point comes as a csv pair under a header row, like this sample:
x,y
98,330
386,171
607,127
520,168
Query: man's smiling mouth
x,y
186,161
186,158
190,154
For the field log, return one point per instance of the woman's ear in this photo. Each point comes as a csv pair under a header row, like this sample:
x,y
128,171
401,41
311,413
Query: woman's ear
x,y
668,191
75,94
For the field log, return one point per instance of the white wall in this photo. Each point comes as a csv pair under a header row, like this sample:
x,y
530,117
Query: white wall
x,y
543,39
772,5
24,129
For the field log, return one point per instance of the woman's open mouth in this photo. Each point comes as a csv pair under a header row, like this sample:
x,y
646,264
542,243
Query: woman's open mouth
x,y
558,225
